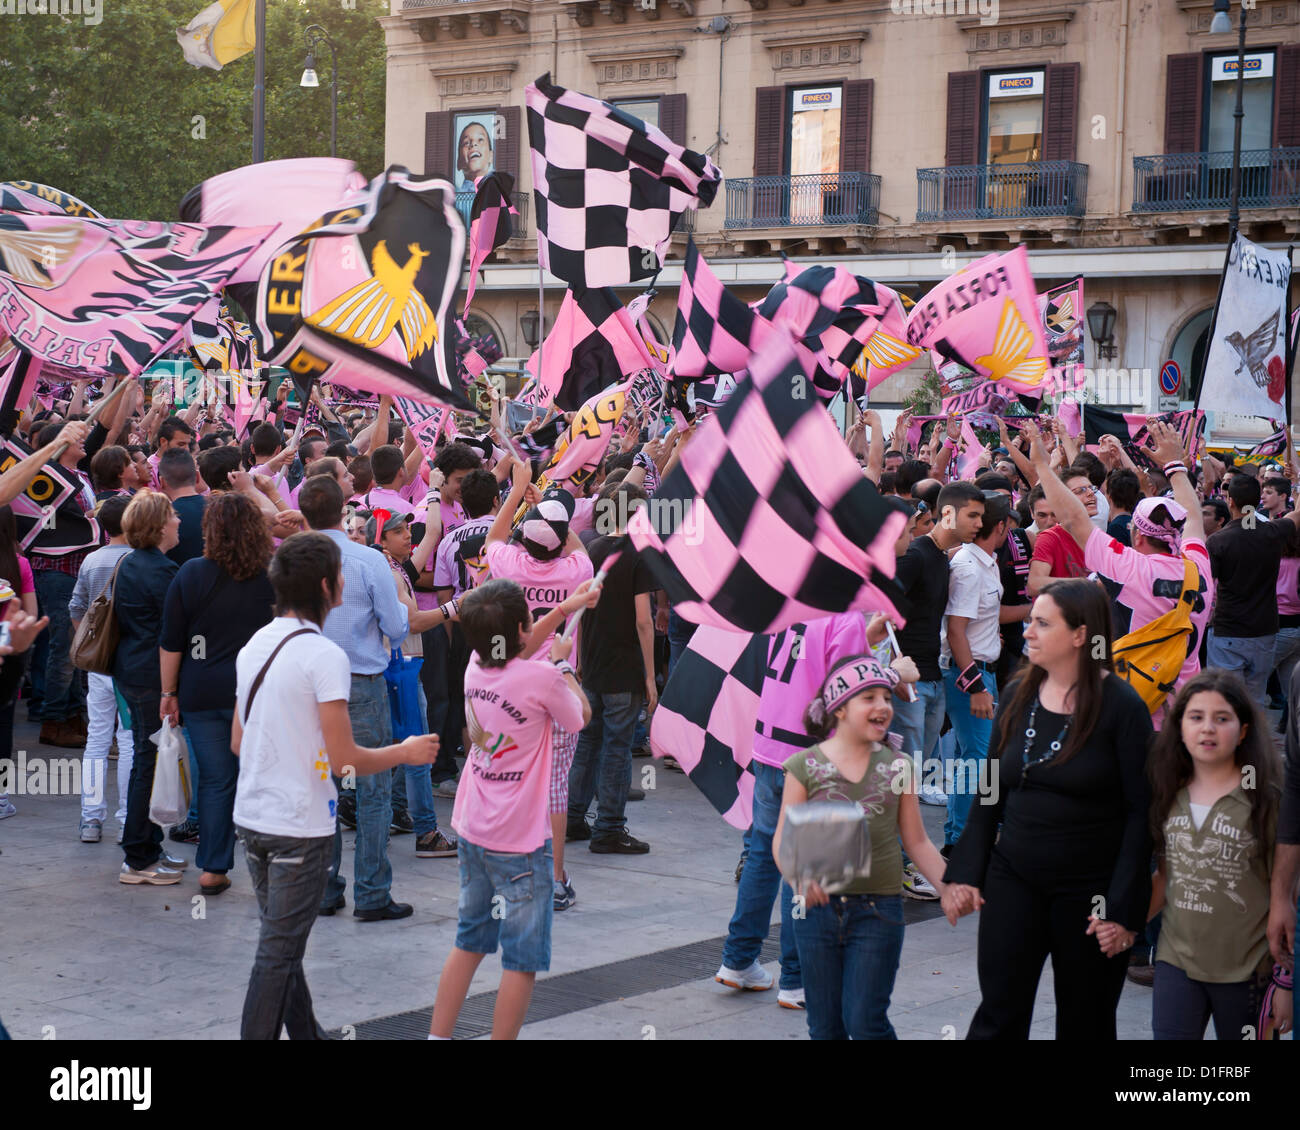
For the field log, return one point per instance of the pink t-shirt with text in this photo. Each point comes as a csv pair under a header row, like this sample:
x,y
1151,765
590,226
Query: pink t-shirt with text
x,y
546,584
503,801
1288,586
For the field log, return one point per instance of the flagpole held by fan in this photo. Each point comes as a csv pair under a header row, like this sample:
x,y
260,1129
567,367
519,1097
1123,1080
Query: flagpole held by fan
x,y
596,582
898,651
95,412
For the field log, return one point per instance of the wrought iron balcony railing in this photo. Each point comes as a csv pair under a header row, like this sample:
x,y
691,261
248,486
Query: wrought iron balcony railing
x,y
1180,182
827,199
1001,192
519,224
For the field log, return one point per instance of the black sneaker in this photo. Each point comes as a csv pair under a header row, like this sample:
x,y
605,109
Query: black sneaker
x,y
347,810
185,833
385,913
577,830
946,851
563,894
402,823
634,793
640,751
620,843
327,909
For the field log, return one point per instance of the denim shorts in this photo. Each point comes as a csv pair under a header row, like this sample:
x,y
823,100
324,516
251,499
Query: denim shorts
x,y
508,898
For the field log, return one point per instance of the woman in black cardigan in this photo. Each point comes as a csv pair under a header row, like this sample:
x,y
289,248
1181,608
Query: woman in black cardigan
x,y
1069,874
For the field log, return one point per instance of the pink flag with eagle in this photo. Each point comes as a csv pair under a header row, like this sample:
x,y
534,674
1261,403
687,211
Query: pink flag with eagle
x,y
985,317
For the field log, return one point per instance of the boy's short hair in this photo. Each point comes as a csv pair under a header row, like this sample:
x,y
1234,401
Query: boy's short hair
x,y
386,463
457,457
266,440
491,617
478,493
363,477
110,513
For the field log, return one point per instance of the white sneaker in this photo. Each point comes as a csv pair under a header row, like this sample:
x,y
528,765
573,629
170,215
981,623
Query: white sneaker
x,y
917,886
7,808
932,794
755,978
790,998
155,876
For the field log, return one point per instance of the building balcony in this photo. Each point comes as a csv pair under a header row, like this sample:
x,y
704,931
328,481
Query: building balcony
x,y
1187,182
1001,192
518,223
819,200
456,17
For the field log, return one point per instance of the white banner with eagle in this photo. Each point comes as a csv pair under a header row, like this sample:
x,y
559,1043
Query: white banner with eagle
x,y
1245,371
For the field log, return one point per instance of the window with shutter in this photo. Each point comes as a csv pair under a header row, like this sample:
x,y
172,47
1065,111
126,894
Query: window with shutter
x,y
1060,112
507,146
964,105
855,136
1183,95
672,117
437,144
769,123
1286,97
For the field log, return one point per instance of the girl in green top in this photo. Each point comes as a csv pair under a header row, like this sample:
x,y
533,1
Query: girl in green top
x,y
850,942
1214,780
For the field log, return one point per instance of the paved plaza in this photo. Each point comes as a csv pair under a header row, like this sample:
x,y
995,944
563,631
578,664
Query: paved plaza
x,y
88,958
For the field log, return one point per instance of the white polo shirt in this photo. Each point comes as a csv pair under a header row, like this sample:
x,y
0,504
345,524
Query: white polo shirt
x,y
974,591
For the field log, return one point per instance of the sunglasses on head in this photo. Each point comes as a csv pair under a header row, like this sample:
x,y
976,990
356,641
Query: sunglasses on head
x,y
921,508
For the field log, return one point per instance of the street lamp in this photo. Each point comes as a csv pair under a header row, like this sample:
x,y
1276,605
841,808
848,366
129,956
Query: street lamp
x,y
530,322
1220,25
1101,325
315,35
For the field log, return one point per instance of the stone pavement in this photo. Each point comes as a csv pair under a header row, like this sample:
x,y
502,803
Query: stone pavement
x,y
89,958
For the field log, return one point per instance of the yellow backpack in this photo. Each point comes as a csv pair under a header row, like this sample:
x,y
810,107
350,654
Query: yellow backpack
x,y
1150,659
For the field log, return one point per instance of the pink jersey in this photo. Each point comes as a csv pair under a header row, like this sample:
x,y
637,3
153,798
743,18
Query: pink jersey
x,y
381,498
503,801
1288,587
546,584
794,680
1150,583
584,515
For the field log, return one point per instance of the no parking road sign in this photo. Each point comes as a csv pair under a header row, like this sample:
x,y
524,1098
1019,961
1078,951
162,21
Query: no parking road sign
x,y
1171,376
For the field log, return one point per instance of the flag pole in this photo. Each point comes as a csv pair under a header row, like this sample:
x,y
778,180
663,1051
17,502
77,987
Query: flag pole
x,y
259,85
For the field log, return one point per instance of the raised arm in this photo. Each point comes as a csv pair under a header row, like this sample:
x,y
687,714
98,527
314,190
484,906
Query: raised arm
x,y
1070,512
1167,448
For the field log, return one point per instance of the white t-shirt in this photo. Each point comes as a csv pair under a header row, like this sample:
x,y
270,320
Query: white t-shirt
x,y
284,785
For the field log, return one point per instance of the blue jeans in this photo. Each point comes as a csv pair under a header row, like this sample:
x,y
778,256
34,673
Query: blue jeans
x,y
442,677
141,837
192,817
1181,1007
413,789
919,722
679,635
63,696
208,732
372,726
507,898
972,735
849,952
1286,654
602,761
760,883
1250,656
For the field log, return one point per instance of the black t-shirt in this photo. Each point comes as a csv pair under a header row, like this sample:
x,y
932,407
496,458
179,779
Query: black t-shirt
x,y
1118,526
923,576
611,648
1013,568
1076,827
204,601
190,545
1245,564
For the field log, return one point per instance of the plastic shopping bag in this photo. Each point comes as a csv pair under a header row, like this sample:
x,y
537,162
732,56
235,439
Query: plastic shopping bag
x,y
403,679
169,803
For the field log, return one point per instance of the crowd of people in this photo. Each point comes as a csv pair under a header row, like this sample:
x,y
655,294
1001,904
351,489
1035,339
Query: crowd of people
x,y
1087,648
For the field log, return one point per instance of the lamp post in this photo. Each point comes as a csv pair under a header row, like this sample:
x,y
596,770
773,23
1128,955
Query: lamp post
x,y
1101,325
315,35
1219,25
530,323
259,82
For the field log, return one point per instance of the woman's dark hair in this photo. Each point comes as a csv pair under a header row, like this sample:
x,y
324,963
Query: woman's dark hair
x,y
296,572
1083,604
363,478
1169,766
234,536
491,616
888,483
107,465
9,548
215,466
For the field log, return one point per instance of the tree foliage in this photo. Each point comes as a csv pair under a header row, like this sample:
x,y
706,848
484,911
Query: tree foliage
x,y
113,114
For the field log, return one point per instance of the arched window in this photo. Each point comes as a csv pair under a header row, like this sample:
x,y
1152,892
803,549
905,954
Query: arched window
x,y
1189,351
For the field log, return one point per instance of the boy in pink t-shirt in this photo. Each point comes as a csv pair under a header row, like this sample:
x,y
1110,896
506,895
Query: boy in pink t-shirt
x,y
512,704
549,563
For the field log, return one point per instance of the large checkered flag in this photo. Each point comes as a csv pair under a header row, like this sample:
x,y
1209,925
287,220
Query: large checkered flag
x,y
715,332
609,188
706,717
768,520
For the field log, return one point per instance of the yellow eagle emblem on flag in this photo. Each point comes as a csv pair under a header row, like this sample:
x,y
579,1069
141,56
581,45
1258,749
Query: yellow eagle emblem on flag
x,y
30,256
887,351
1010,360
1061,318
369,312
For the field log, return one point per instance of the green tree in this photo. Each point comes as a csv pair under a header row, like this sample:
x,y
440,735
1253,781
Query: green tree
x,y
113,114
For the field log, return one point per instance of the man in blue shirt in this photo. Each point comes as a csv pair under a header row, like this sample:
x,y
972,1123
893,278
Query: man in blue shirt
x,y
369,612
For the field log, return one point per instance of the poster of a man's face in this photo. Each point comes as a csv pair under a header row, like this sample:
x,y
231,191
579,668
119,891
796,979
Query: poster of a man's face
x,y
475,154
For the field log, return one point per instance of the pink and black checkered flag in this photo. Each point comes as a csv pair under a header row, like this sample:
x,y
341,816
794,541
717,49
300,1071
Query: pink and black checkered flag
x,y
768,521
593,344
706,716
715,332
609,188
489,223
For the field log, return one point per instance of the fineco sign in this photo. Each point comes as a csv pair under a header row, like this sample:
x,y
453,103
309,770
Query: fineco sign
x,y
1024,84
1224,68
825,98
